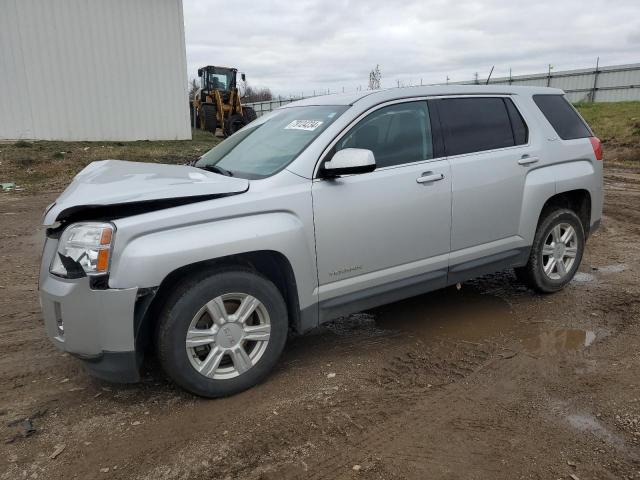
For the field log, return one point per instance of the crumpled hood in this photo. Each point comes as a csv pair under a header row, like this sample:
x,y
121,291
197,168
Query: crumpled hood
x,y
106,184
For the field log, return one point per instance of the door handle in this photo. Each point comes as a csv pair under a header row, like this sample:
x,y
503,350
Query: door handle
x,y
527,160
428,177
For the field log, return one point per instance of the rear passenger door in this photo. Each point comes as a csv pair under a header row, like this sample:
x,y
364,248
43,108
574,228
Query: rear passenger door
x,y
486,142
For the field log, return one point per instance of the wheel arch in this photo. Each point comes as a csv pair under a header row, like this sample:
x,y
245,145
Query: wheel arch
x,y
271,264
578,201
567,185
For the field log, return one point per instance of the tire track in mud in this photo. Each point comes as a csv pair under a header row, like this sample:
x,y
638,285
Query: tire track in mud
x,y
343,420
418,371
403,438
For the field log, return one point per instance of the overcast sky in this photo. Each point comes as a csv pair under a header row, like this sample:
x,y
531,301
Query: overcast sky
x,y
298,46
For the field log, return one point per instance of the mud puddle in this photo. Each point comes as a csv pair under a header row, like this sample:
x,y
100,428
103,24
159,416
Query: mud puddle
x,y
617,268
551,342
451,314
472,316
584,277
588,424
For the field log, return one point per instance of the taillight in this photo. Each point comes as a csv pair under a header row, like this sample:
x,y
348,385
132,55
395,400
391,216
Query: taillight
x,y
597,147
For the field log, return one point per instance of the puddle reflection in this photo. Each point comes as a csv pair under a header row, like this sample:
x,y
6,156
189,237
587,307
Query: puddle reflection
x,y
562,340
582,277
621,267
472,316
463,315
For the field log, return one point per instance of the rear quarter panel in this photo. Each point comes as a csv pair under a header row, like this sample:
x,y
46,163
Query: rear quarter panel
x,y
564,165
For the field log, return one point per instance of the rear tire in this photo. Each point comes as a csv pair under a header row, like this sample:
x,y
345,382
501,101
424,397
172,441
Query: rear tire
x,y
221,332
556,252
208,118
234,123
249,114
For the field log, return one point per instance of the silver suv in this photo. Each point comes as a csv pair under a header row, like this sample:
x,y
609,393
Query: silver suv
x,y
328,206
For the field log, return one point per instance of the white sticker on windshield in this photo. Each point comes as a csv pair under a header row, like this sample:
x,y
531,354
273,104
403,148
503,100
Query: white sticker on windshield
x,y
309,125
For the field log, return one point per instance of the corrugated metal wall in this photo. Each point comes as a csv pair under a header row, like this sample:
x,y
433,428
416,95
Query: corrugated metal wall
x,y
93,70
607,84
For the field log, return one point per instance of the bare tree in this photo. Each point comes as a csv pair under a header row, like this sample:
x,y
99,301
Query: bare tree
x,y
375,77
193,88
252,94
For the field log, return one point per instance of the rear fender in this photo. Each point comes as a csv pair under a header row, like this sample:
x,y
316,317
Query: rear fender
x,y
543,183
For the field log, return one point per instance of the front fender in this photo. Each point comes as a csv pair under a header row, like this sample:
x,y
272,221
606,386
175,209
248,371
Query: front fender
x,y
147,259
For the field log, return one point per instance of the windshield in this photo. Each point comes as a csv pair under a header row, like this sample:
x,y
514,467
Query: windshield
x,y
269,144
219,81
216,78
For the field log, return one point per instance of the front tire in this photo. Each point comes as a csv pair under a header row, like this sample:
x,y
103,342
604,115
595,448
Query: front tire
x,y
556,252
209,118
222,332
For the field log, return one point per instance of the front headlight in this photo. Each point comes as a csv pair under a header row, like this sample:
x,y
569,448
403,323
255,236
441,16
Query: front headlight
x,y
84,248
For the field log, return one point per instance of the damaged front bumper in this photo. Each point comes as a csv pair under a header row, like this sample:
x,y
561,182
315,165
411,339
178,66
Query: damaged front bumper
x,y
94,325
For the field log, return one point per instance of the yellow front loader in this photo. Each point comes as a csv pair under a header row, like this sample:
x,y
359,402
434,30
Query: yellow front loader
x,y
216,104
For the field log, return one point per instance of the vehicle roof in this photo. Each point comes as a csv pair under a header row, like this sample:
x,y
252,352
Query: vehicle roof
x,y
423,91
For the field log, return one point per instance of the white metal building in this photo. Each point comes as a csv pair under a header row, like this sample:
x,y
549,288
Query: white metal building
x,y
93,70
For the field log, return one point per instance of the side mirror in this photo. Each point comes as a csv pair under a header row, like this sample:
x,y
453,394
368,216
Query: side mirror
x,y
349,161
243,77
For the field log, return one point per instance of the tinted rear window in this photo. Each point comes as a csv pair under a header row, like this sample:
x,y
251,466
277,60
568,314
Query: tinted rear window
x,y
562,117
476,124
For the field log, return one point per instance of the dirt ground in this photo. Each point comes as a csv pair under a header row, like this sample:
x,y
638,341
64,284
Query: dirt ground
x,y
490,381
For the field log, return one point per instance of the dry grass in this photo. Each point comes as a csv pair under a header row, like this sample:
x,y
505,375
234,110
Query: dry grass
x,y
618,126
38,166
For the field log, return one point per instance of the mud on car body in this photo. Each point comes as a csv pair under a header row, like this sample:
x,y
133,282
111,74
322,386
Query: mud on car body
x,y
321,208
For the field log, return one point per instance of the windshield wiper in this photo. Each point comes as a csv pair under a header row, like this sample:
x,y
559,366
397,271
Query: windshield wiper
x,y
217,169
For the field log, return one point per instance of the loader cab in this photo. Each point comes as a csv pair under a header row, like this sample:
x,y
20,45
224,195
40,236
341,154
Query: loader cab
x,y
213,78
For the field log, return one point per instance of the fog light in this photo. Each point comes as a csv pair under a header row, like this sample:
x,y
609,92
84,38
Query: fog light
x,y
59,322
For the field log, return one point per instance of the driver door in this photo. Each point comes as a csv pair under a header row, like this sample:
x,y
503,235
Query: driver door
x,y
384,235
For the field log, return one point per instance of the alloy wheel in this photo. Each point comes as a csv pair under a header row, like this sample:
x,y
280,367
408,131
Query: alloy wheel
x,y
559,251
228,336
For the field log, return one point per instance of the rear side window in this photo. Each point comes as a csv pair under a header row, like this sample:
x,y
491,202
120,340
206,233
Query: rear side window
x,y
478,124
520,131
562,117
